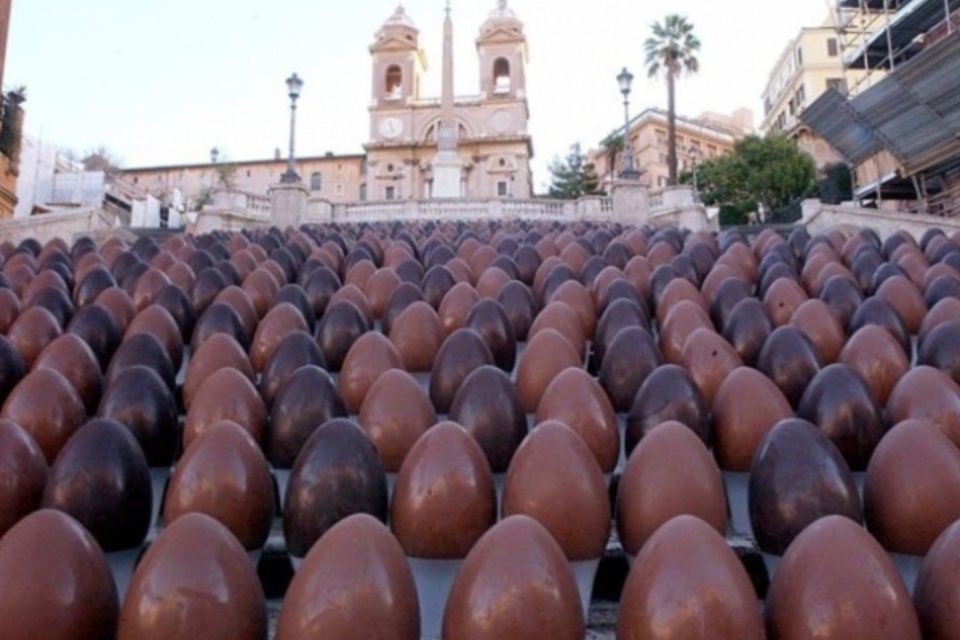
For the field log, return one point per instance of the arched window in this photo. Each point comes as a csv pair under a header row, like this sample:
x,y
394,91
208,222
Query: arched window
x,y
501,76
316,181
394,85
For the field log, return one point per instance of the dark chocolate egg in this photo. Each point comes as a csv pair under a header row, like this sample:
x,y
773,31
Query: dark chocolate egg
x,y
142,349
929,394
547,354
209,284
843,297
631,357
47,406
935,594
619,315
368,358
577,400
489,319
55,581
224,475
337,474
747,328
94,282
941,349
728,293
101,478
219,318
435,283
797,477
403,296
417,335
157,321
378,289
71,357
195,581
444,498
520,306
836,582
341,326
307,399
33,330
912,489
294,350
790,359
878,358
96,326
554,478
226,395
669,473
24,470
140,400
240,302
875,311
488,407
687,582
947,310
395,413
12,369
355,582
668,393
462,352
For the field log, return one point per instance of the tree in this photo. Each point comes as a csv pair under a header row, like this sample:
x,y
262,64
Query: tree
x,y
671,51
835,184
101,159
771,171
574,177
613,146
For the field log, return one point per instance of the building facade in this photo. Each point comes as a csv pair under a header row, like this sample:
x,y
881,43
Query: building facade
x,y
11,127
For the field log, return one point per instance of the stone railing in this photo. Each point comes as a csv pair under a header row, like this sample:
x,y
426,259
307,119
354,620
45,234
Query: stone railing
x,y
67,226
589,208
819,217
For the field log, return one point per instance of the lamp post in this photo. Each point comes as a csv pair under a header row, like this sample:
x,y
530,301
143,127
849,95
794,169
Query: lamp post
x,y
629,172
294,85
694,156
214,155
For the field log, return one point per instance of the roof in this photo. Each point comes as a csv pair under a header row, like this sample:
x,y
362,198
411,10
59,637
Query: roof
x,y
242,163
913,19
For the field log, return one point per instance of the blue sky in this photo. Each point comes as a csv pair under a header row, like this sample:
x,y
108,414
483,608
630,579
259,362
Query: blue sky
x,y
163,82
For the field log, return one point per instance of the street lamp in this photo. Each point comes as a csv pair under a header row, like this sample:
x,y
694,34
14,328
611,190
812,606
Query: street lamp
x,y
694,155
214,155
294,85
629,172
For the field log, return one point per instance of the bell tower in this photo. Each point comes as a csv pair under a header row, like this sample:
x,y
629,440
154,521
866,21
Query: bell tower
x,y
398,62
502,50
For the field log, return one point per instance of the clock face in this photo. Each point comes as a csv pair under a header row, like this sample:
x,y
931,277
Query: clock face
x,y
391,127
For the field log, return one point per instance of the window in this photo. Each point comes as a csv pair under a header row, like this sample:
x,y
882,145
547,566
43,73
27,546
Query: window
x,y
390,193
502,188
832,47
799,56
338,190
800,96
837,83
501,76
363,192
316,181
394,84
711,150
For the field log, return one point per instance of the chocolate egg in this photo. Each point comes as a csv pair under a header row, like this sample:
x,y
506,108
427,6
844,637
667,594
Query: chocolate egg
x,y
562,319
456,306
219,317
55,300
797,477
668,393
669,473
577,400
547,354
782,299
9,309
142,349
395,412
875,311
403,296
515,583
33,330
930,394
726,296
520,306
12,369
355,582
294,350
158,322
94,282
488,407
935,595
462,352
195,581
835,581
619,315
307,399
56,582
747,328
490,282
843,297
217,352
630,358
578,298
368,358
906,299
261,287
740,426
912,487
209,284
24,470
337,474
941,349
444,498
554,479
709,359
686,582
436,282
489,319
815,319
341,326
226,395
789,359
240,302
378,289
878,358
320,286
946,310
47,406
140,400
683,319
119,304
275,326
96,326
417,335
224,475
71,357
101,478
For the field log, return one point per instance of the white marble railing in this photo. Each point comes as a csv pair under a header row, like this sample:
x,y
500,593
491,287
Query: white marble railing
x,y
68,225
590,208
818,217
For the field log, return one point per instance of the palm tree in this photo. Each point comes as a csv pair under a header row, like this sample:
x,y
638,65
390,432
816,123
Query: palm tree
x,y
672,50
613,146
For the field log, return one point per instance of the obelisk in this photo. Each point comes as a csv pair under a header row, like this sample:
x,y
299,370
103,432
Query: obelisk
x,y
447,165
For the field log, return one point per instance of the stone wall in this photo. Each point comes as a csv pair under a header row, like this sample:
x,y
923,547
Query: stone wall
x,y
819,217
68,226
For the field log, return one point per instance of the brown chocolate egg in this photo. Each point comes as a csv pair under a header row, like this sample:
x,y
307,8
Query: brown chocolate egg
x,y
436,282
489,319
906,299
740,426
224,475
91,284
554,478
395,413
9,309
789,359
561,318
261,287
240,302
684,318
912,487
547,354
33,330
462,352
875,311
709,359
669,473
359,273
797,477
577,400
456,306
279,322
368,358
337,474
491,281
71,357
668,393
947,310
782,299
355,582
118,303
142,349
101,478
24,470
56,582
515,583
677,291
444,499
488,407
219,351
878,358
378,289
843,297
417,335
140,400
578,298
148,287
929,394
355,295
630,358
195,581
226,395
47,406
619,315
836,582
219,318
307,399
157,321
840,402
687,582
815,319
294,350
935,595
